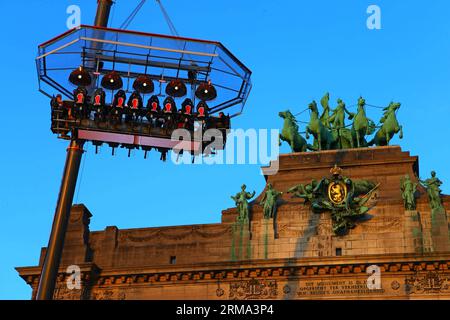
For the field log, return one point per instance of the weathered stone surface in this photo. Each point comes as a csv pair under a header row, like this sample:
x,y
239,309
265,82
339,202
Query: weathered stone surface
x,y
294,256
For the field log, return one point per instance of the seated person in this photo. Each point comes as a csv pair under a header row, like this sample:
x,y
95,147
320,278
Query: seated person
x,y
169,105
186,107
98,104
169,111
117,107
135,106
119,99
153,104
202,110
203,113
80,97
98,99
223,121
153,111
135,101
57,110
56,102
186,113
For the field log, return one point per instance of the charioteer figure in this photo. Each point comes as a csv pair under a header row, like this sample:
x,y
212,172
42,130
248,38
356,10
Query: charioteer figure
x,y
80,97
337,119
99,105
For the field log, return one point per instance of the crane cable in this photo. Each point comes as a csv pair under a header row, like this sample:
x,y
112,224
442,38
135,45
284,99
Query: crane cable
x,y
172,28
132,15
127,21
174,32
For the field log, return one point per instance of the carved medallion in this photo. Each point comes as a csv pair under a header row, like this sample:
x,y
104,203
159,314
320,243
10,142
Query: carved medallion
x,y
395,285
220,292
286,289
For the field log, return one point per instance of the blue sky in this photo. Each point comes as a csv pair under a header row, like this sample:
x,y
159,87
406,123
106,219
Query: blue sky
x,y
297,50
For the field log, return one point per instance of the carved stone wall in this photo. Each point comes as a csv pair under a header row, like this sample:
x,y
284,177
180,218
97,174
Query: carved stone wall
x,y
294,256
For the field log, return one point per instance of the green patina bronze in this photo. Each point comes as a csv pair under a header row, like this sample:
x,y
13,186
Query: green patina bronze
x,y
241,200
344,198
290,133
323,139
408,189
434,191
269,201
389,127
330,131
240,240
304,191
241,228
325,117
337,118
362,126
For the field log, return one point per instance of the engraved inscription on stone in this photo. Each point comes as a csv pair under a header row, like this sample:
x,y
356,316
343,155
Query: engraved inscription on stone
x,y
335,287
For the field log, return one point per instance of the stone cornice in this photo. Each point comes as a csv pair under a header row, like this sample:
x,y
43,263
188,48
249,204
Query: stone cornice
x,y
273,268
31,274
